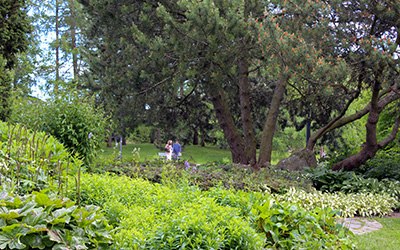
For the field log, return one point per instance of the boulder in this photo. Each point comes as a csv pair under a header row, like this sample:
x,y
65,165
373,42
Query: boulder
x,y
298,159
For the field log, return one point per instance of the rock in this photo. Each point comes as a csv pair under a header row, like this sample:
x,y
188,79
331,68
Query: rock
x,y
298,160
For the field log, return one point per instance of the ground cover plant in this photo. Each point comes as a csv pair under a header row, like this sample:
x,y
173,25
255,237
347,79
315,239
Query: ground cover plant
x,y
154,216
33,161
288,226
205,176
175,215
351,182
45,222
349,205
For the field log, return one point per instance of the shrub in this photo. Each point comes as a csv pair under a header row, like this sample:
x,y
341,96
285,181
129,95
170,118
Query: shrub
x,y
40,221
288,226
325,179
153,216
32,160
385,165
72,119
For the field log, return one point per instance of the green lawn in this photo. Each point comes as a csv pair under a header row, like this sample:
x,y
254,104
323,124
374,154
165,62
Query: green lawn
x,y
387,238
195,154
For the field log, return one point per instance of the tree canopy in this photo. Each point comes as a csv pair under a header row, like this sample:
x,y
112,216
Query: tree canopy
x,y
314,57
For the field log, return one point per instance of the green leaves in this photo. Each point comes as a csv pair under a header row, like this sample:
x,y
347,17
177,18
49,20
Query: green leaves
x,y
349,205
40,221
153,216
288,226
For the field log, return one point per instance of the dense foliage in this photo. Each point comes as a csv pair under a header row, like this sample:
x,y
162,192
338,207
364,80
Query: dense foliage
x,y
385,165
212,174
32,160
5,90
72,119
288,226
158,217
39,221
348,205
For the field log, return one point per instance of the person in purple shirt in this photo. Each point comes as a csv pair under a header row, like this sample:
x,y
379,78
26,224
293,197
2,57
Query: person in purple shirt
x,y
176,149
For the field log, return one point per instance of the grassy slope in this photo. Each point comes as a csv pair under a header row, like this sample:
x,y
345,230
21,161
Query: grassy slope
x,y
195,154
386,238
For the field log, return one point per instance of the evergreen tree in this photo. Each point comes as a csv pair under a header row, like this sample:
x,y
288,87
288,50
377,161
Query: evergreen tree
x,y
13,40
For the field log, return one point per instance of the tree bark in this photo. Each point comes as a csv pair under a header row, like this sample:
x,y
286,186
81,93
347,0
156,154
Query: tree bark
x,y
250,143
371,145
270,124
73,41
195,137
57,46
227,124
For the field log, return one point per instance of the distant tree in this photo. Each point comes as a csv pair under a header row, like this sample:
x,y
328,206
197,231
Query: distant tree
x,y
13,40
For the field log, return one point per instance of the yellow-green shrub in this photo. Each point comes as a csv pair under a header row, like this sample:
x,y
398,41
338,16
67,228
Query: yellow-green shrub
x,y
152,216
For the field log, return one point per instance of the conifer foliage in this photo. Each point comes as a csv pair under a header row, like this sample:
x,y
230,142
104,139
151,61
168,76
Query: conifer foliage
x,y
314,54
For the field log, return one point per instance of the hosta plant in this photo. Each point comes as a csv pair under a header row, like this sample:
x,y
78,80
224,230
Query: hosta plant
x,y
349,205
39,221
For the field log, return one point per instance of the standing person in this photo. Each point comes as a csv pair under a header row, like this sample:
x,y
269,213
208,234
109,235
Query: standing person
x,y
176,149
168,150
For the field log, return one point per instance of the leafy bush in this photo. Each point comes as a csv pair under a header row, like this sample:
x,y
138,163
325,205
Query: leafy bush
x,y
287,226
325,179
385,165
39,221
349,205
32,160
72,119
153,216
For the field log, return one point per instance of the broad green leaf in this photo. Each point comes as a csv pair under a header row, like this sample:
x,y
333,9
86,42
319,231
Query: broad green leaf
x,y
10,215
54,236
33,240
42,199
27,208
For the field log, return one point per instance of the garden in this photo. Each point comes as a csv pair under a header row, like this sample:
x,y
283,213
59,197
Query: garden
x,y
50,200
286,113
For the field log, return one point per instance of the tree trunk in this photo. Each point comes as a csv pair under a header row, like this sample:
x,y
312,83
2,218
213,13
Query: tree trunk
x,y
195,137
371,145
109,142
386,97
57,46
73,41
227,124
270,124
250,143
159,138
